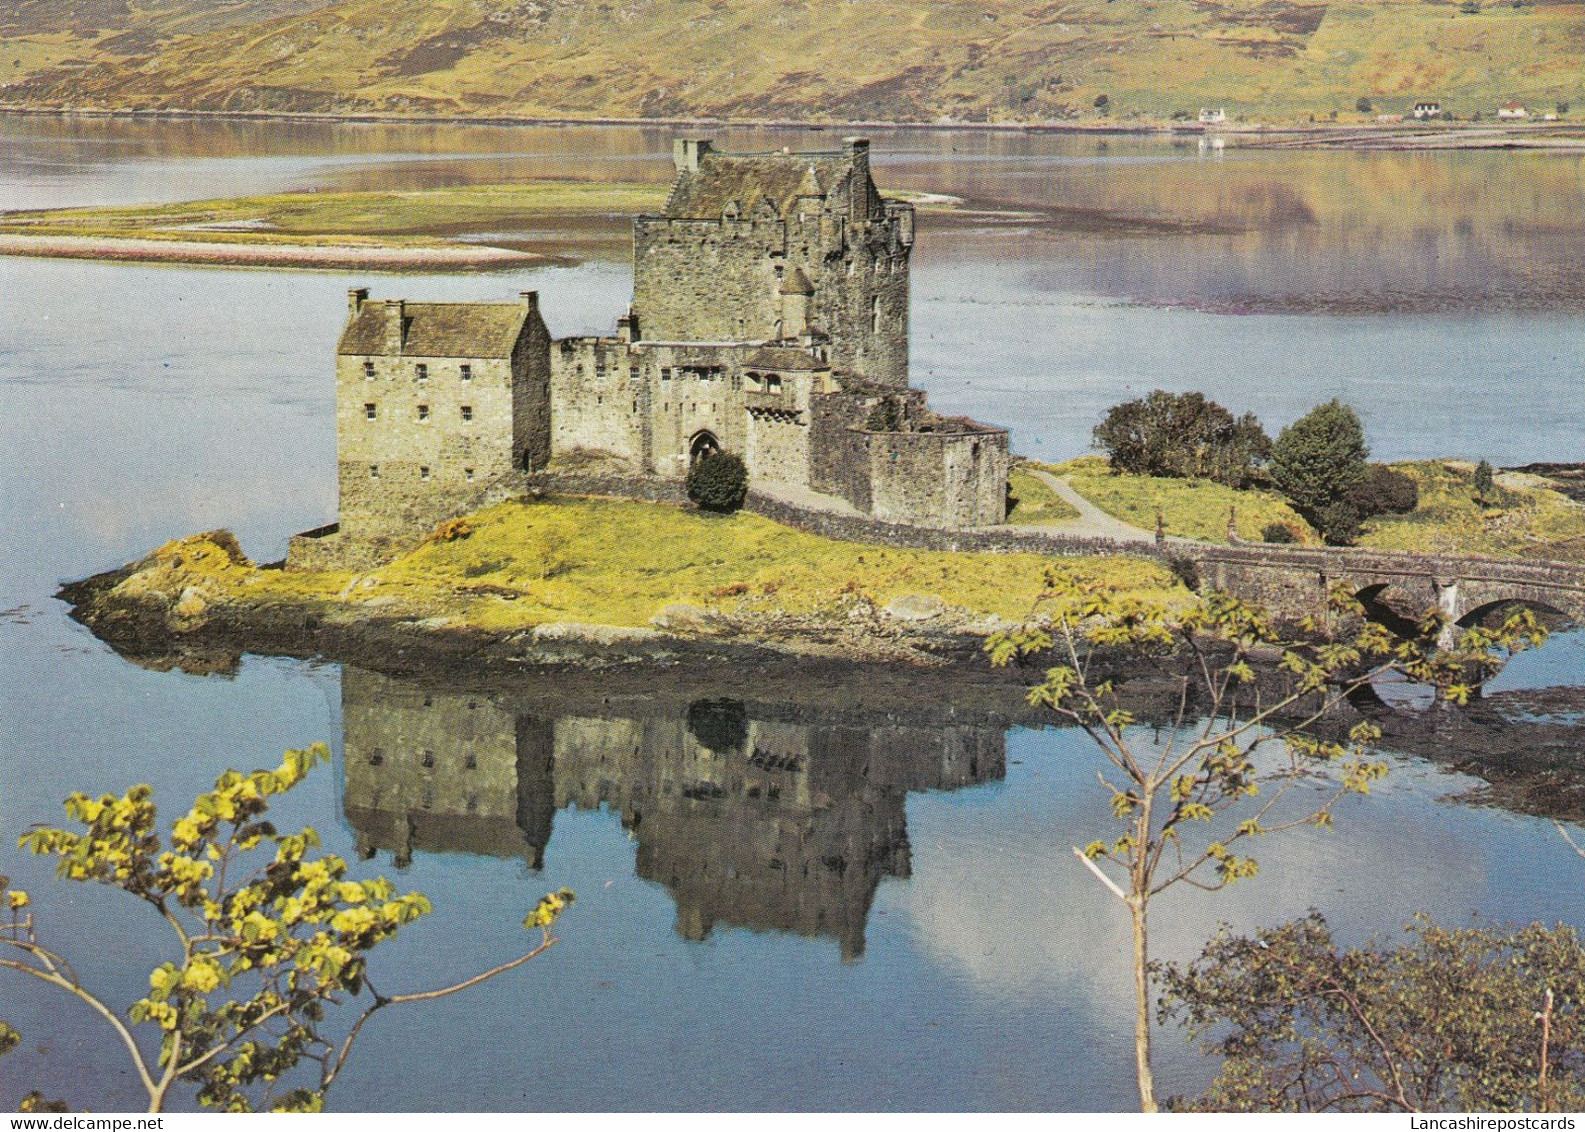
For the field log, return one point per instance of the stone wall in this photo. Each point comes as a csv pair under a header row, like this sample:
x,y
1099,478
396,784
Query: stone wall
x,y
707,280
595,405
953,479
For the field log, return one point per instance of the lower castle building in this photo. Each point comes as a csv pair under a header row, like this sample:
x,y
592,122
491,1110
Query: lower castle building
x,y
769,318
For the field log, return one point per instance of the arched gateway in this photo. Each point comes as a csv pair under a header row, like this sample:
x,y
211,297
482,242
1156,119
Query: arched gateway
x,y
703,444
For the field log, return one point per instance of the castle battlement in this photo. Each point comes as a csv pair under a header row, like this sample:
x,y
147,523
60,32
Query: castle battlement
x,y
769,318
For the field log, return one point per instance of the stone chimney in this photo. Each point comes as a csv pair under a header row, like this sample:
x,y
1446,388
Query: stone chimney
x,y
686,153
530,301
356,297
395,325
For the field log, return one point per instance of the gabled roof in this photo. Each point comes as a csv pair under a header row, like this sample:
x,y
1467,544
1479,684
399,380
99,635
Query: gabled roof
x,y
437,330
747,179
789,358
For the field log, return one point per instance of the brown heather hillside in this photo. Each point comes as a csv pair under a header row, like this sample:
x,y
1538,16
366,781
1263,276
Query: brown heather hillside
x,y
826,60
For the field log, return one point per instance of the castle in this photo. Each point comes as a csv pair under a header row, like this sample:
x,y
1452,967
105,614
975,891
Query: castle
x,y
769,318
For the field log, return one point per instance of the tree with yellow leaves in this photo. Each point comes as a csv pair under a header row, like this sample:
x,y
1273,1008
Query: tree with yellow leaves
x,y
1240,757
268,936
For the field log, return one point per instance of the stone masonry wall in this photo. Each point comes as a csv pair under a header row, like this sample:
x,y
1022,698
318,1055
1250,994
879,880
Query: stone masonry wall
x,y
951,479
432,448
594,405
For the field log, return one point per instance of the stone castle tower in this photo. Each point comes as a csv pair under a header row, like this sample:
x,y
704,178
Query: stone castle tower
x,y
778,247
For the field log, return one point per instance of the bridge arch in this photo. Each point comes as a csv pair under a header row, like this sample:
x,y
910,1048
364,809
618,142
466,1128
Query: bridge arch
x,y
1392,607
1486,613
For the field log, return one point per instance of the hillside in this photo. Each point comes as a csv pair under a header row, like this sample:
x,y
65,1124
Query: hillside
x,y
827,60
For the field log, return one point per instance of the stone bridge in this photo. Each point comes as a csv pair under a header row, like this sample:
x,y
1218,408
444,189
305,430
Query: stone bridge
x,y
1295,581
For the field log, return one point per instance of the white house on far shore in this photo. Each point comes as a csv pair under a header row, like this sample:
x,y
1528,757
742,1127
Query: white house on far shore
x,y
1213,117
1512,110
1427,109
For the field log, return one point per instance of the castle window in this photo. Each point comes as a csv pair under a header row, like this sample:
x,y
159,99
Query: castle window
x,y
472,762
374,471
368,371
665,373
423,412
423,473
429,759
369,411
467,412
753,381
377,757
772,383
467,474
467,371
421,371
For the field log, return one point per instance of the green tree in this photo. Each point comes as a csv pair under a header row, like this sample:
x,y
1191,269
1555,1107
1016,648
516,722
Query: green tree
x,y
1239,759
1185,435
1317,461
1469,1020
1485,485
267,937
1364,105
718,481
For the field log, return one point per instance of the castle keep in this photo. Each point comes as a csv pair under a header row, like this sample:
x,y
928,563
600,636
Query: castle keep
x,y
769,318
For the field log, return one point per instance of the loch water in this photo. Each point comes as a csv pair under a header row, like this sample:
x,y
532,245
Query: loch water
x,y
796,897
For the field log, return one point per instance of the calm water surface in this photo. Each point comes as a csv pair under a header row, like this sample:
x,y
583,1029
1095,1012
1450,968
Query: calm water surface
x,y
779,907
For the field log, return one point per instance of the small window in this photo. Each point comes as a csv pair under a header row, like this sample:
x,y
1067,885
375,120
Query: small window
x,y
467,412
429,759
377,758
421,371
467,474
772,383
423,412
472,762
467,372
369,410
374,471
423,473
368,371
665,373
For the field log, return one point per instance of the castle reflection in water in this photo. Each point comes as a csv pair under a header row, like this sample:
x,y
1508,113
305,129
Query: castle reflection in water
x,y
760,816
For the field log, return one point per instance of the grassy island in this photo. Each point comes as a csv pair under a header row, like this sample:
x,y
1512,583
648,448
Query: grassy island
x,y
578,563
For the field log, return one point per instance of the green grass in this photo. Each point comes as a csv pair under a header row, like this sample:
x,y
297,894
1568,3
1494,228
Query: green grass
x,y
1195,509
1527,517
612,562
1034,502
358,217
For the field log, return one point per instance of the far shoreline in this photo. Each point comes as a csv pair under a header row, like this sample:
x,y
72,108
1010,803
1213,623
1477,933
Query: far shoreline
x,y
1406,136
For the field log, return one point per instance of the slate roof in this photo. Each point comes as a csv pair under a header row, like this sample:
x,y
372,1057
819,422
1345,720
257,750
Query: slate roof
x,y
789,358
747,179
439,330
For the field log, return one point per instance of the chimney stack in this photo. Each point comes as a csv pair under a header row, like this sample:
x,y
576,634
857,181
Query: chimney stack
x,y
530,301
686,153
395,325
356,297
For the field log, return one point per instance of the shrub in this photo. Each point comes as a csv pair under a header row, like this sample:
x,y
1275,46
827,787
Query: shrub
x,y
1183,435
1278,533
718,482
1382,491
1338,523
1320,458
1364,106
1485,485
